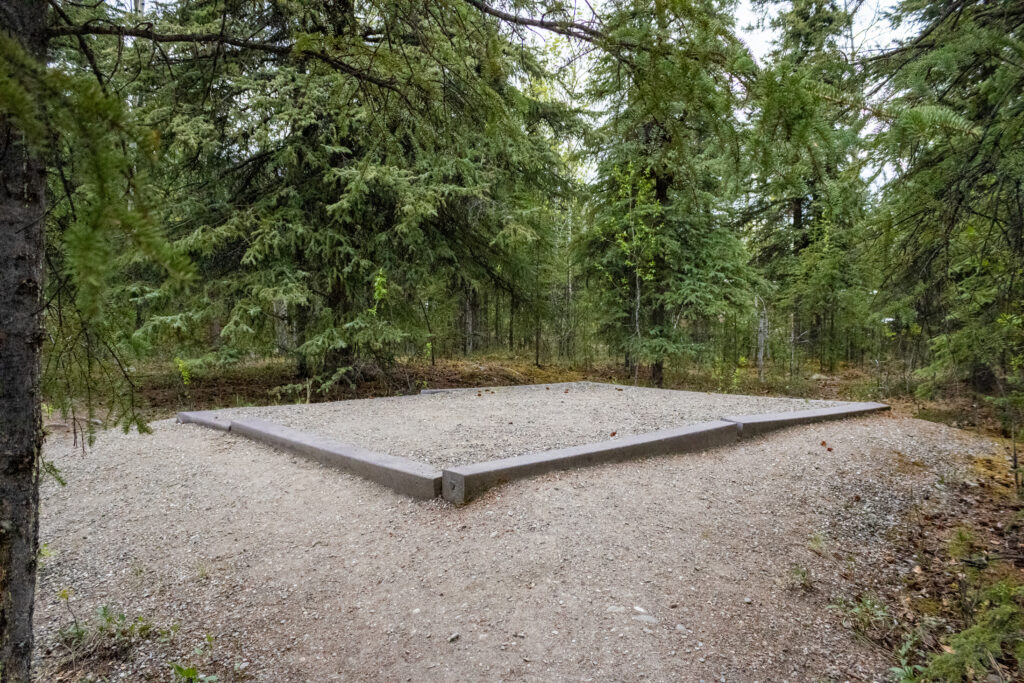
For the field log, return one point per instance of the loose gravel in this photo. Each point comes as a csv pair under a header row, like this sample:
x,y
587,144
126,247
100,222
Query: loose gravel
x,y
468,425
674,568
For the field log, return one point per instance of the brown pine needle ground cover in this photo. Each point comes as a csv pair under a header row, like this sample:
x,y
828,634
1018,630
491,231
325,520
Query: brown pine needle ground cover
x,y
275,381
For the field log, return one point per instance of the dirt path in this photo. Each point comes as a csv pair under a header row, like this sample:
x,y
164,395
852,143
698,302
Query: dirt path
x,y
676,568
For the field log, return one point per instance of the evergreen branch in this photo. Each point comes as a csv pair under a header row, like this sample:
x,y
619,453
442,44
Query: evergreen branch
x,y
83,46
918,43
146,31
569,29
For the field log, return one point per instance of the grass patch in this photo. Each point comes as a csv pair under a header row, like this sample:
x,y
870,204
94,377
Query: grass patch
x,y
108,636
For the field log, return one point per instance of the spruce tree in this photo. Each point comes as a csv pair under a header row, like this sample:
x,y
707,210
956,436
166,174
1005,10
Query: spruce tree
x,y
950,225
666,160
807,196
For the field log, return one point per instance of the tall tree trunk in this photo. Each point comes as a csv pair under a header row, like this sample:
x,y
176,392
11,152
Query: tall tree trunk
x,y
22,211
430,331
792,345
477,323
762,335
659,316
800,238
469,315
482,309
511,321
832,341
658,319
536,338
497,320
299,321
282,326
658,373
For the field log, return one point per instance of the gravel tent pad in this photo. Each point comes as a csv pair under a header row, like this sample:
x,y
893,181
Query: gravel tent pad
x,y
466,426
304,573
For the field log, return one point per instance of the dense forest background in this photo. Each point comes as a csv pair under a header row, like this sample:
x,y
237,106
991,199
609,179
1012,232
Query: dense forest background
x,y
296,198
351,187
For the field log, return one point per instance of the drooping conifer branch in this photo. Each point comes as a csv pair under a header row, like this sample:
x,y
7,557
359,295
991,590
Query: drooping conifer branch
x,y
284,49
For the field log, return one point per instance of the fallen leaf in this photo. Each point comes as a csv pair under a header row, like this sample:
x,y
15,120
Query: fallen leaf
x,y
614,433
829,449
823,443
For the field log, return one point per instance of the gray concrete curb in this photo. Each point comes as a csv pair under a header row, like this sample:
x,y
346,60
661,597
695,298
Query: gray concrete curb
x,y
206,418
462,484
400,474
754,425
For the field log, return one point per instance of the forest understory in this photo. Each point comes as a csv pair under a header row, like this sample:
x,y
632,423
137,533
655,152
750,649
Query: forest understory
x,y
163,391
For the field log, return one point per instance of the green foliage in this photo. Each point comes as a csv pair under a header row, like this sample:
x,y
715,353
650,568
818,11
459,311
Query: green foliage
x,y
51,470
997,632
324,213
867,615
102,208
43,555
949,218
100,224
661,246
190,674
808,199
183,371
399,182
108,632
962,544
801,578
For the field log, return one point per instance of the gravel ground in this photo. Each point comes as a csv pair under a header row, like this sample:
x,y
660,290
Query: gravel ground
x,y
467,426
675,568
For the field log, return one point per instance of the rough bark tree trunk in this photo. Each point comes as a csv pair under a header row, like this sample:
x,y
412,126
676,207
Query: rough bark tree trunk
x,y
659,316
22,210
511,322
497,320
800,238
470,314
762,336
300,320
282,327
430,331
536,339
658,319
477,323
658,373
792,345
